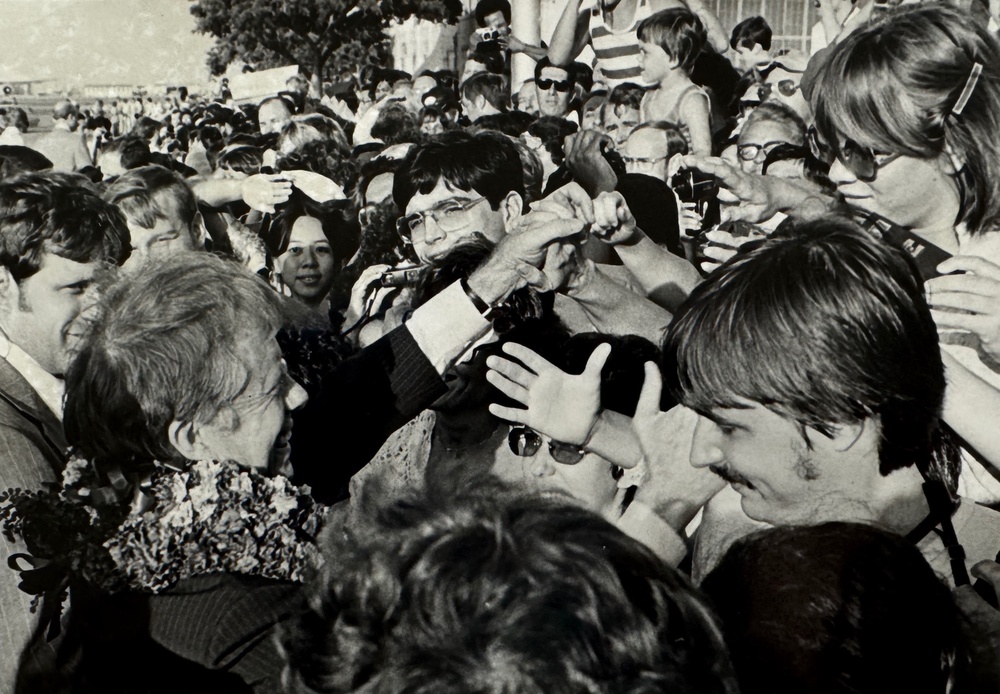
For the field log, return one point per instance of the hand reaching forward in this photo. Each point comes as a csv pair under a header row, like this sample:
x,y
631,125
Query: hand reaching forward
x,y
675,489
562,406
263,191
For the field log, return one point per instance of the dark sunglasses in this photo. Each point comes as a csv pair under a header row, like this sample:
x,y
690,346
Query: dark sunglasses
x,y
561,85
863,162
785,87
525,442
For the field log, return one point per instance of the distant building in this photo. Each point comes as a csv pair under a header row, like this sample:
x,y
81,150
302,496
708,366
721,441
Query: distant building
x,y
113,91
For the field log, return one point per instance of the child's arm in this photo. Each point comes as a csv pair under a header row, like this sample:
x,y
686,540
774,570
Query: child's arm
x,y
694,113
651,108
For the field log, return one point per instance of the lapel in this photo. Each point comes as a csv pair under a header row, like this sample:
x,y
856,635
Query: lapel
x,y
19,394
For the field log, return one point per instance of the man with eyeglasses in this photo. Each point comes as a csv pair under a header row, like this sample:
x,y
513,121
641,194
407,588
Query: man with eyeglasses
x,y
554,87
782,84
460,187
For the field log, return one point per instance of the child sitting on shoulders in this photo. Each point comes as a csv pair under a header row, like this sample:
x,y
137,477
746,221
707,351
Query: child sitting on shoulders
x,y
669,42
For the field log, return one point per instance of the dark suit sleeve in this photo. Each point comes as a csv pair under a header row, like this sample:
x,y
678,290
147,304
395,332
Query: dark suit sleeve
x,y
26,462
358,406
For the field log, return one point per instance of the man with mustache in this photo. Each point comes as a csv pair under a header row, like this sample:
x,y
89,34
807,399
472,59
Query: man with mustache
x,y
813,363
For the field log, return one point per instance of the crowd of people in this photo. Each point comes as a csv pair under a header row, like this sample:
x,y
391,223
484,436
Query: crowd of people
x,y
673,372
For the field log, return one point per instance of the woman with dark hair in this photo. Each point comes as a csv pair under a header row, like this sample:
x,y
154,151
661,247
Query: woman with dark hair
x,y
908,110
309,241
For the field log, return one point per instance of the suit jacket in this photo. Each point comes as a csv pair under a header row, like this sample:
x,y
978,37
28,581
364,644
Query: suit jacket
x,y
32,453
210,634
359,404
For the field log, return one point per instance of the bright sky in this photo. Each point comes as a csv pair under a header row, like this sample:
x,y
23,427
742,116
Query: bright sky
x,y
81,42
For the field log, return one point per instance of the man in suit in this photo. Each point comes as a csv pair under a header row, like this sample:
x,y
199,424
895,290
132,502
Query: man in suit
x,y
55,233
225,394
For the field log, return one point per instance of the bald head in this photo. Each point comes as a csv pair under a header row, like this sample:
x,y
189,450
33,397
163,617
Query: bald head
x,y
63,110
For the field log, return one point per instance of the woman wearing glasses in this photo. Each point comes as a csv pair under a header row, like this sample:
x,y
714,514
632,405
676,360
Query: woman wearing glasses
x,y
909,110
584,472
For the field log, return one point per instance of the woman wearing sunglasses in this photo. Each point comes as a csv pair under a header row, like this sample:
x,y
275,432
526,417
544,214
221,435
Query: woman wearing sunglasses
x,y
537,459
909,109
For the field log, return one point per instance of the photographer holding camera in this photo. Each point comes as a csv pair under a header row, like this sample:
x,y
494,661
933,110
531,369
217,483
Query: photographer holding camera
x,y
493,31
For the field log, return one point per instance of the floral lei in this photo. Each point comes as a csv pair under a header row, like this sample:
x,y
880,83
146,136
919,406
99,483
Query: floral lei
x,y
210,517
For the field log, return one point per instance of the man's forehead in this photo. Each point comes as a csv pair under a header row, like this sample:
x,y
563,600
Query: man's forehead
x,y
64,270
443,190
495,19
554,73
646,142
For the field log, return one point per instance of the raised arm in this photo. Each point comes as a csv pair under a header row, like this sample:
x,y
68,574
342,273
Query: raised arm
x,y
571,34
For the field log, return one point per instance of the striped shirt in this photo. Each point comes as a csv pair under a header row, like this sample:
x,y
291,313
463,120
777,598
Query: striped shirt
x,y
616,53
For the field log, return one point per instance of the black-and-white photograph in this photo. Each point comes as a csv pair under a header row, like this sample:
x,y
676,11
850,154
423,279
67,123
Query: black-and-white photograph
x,y
499,346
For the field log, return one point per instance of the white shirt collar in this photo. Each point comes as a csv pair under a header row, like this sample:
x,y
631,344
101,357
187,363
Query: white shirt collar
x,y
49,388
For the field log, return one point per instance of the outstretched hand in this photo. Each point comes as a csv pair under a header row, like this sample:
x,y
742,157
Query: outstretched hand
x,y
562,406
263,191
742,195
675,489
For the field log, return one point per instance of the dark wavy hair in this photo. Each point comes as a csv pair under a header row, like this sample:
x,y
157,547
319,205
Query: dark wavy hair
x,y
483,163
823,324
839,608
495,592
58,213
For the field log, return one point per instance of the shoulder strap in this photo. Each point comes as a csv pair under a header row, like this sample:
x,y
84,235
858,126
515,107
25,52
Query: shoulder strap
x,y
942,507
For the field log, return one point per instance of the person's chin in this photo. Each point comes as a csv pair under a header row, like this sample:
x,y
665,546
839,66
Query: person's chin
x,y
281,450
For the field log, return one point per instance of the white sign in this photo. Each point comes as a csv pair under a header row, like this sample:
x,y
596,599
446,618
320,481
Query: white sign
x,y
254,86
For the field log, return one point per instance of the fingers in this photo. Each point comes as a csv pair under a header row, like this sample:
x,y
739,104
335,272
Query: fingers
x,y
652,389
963,301
510,414
715,166
508,387
531,359
550,206
576,199
719,253
606,210
979,284
542,234
723,238
958,321
511,370
596,361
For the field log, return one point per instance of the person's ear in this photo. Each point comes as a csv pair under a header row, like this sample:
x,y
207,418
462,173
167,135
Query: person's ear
x,y
511,208
480,103
199,231
186,439
10,291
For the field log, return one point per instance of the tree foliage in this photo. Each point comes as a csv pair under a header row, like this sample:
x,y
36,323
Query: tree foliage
x,y
317,35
